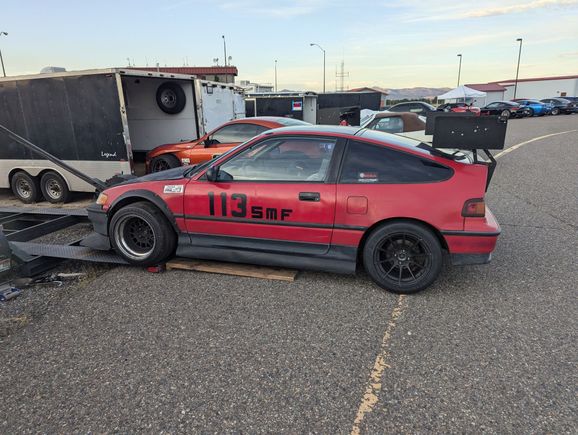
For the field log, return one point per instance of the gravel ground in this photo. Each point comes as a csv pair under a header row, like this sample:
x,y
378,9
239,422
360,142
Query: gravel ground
x,y
486,349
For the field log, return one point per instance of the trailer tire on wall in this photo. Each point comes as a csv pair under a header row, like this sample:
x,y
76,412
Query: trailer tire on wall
x,y
54,188
171,98
25,187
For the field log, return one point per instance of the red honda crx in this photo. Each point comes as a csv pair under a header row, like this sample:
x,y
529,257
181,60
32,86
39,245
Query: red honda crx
x,y
310,197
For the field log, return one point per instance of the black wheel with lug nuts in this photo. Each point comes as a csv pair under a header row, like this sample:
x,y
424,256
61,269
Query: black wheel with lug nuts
x,y
164,162
403,257
54,188
25,187
141,234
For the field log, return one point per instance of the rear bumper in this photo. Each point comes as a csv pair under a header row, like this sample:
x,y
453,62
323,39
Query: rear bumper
x,y
476,242
469,259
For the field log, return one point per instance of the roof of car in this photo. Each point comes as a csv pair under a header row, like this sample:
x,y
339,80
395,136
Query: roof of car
x,y
271,119
319,129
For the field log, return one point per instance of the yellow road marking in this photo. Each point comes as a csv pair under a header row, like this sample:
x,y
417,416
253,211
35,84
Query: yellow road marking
x,y
373,388
515,147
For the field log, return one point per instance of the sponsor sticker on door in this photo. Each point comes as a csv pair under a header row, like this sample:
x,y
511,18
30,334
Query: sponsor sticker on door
x,y
173,188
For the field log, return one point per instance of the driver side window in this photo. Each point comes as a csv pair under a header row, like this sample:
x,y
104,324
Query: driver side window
x,y
284,159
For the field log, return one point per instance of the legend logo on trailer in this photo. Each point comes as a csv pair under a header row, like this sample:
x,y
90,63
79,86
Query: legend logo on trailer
x,y
297,106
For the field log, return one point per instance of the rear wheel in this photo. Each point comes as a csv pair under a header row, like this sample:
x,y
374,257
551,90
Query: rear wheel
x,y
142,235
54,188
164,162
505,114
403,257
25,187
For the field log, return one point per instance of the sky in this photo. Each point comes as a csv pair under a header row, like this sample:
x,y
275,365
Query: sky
x,y
389,43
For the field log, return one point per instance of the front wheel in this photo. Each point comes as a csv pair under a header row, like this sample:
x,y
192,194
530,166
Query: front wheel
x,y
505,114
403,257
25,187
164,162
530,112
555,111
142,235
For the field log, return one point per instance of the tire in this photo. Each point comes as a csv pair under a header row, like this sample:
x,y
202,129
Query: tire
x,y
54,188
555,111
25,187
171,98
141,234
530,112
402,257
164,162
505,114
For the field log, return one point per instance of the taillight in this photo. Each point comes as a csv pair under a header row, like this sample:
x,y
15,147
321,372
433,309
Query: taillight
x,y
475,207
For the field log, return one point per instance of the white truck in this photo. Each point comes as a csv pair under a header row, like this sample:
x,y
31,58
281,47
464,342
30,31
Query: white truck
x,y
101,122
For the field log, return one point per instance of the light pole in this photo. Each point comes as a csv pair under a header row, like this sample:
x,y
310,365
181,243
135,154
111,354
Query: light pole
x,y
518,68
319,46
275,75
225,50
2,60
459,69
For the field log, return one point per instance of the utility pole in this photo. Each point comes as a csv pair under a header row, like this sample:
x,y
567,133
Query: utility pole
x,y
225,49
317,45
275,75
459,69
518,68
1,59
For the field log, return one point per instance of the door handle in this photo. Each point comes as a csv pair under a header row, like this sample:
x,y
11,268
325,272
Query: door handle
x,y
309,196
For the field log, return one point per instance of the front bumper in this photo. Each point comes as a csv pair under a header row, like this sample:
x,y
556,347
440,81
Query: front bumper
x,y
99,238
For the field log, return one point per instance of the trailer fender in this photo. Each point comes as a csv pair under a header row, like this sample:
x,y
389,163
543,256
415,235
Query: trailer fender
x,y
143,195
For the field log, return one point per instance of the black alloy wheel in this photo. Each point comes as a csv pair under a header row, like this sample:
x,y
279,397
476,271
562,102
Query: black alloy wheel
x,y
164,162
403,257
142,235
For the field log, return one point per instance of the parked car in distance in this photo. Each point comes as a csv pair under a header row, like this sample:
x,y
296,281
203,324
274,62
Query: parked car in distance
x,y
417,107
310,197
458,108
213,144
561,105
506,109
393,122
534,107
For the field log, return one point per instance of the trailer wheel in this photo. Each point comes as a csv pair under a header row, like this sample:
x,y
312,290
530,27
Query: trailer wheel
x,y
142,235
171,98
164,162
54,188
25,187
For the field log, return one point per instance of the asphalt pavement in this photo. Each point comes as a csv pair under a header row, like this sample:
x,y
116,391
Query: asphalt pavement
x,y
489,348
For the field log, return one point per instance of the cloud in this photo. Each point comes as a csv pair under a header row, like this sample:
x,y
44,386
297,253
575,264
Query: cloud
x,y
499,10
278,8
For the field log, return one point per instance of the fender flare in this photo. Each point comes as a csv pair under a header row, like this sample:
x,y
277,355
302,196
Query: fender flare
x,y
147,195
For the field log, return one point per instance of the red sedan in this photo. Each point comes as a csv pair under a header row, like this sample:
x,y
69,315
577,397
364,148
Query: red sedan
x,y
310,197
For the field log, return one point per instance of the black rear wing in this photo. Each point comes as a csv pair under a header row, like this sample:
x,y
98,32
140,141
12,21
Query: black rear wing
x,y
464,131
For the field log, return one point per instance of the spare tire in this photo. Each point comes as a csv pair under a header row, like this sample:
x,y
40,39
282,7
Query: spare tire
x,y
171,98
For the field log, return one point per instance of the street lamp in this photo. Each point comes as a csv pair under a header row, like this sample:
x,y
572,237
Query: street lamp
x,y
275,75
225,49
459,69
518,68
317,45
2,60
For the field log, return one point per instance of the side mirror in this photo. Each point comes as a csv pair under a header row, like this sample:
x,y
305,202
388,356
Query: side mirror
x,y
212,173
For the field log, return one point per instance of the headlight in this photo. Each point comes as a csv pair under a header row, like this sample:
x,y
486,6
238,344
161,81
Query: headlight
x,y
102,198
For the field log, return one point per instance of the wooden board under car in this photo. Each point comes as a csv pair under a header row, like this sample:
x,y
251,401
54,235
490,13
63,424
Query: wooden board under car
x,y
232,269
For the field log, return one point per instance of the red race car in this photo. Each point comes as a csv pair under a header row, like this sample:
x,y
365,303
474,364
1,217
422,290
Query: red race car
x,y
213,144
459,108
310,197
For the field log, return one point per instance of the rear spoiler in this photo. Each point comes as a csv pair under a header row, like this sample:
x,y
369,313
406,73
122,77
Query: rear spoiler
x,y
464,131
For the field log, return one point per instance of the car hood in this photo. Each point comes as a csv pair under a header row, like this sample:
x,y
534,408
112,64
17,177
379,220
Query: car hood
x,y
170,174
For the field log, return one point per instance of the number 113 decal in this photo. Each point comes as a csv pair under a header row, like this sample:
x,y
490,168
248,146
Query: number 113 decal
x,y
238,208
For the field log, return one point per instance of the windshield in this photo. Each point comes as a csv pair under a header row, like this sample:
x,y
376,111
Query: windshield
x,y
291,121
